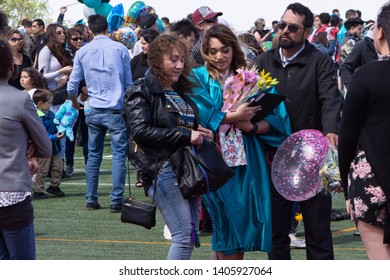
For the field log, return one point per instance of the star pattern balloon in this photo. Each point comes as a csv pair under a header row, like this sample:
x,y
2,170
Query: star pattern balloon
x,y
296,166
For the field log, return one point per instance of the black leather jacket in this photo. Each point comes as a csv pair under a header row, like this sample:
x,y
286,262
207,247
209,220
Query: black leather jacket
x,y
153,132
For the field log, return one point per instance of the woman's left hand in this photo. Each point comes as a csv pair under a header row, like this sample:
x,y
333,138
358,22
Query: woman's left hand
x,y
207,133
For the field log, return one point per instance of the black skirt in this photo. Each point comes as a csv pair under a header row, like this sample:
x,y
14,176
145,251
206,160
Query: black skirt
x,y
368,201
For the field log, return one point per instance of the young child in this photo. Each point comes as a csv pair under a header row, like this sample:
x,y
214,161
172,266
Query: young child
x,y
31,80
43,99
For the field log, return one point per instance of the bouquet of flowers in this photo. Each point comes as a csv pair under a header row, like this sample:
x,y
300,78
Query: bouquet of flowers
x,y
244,86
238,89
330,173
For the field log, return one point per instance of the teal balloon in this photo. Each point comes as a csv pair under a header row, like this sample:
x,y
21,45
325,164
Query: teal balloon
x,y
92,3
134,11
160,25
115,17
104,9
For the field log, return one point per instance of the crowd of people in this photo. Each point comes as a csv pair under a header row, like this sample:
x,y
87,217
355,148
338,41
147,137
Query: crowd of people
x,y
166,93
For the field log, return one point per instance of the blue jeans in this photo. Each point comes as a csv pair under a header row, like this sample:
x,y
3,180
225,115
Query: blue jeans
x,y
99,121
18,244
176,212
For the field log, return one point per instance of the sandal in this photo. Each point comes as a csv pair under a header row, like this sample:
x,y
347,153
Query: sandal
x,y
139,183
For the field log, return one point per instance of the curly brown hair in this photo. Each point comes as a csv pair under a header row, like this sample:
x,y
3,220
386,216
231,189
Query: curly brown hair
x,y
57,50
158,49
226,36
36,78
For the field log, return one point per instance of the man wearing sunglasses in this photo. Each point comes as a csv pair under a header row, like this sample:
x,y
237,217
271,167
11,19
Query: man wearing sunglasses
x,y
203,18
308,80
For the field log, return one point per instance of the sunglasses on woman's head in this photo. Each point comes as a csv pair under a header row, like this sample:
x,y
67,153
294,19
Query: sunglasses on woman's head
x,y
14,39
76,39
291,27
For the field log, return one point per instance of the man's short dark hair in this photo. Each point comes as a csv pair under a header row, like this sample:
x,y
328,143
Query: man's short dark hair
x,y
334,20
350,13
324,18
97,24
298,8
39,22
353,22
26,22
185,27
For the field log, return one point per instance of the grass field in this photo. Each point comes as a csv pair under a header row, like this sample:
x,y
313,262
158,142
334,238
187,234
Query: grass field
x,y
65,230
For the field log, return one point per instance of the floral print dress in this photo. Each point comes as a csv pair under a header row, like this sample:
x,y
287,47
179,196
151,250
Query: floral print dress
x,y
368,201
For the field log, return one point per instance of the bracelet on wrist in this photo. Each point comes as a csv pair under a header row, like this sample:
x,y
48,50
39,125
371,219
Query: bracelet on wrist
x,y
255,127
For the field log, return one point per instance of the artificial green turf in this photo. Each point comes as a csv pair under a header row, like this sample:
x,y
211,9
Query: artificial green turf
x,y
65,230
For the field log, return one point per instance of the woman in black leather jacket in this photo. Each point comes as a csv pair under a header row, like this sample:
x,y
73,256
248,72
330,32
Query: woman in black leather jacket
x,y
162,120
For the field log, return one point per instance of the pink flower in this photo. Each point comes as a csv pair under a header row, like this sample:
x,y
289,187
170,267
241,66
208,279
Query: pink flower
x,y
361,170
250,76
378,196
360,207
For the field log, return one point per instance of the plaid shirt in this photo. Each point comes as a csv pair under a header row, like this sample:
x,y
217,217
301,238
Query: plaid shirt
x,y
196,54
12,198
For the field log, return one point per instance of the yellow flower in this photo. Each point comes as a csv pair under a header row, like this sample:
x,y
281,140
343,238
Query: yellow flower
x,y
266,81
298,217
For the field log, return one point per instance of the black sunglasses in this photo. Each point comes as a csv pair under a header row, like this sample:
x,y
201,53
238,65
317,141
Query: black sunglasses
x,y
77,39
292,27
13,39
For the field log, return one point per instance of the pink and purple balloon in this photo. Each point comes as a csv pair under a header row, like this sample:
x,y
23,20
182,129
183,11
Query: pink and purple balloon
x,y
296,166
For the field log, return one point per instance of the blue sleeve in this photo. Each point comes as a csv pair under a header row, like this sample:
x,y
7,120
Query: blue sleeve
x,y
128,75
76,76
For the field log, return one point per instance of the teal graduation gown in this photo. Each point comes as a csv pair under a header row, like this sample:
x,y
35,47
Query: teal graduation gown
x,y
241,209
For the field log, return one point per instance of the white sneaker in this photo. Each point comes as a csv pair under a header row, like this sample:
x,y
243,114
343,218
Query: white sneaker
x,y
167,233
297,243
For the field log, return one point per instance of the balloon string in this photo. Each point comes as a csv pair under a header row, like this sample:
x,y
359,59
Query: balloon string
x,y
72,4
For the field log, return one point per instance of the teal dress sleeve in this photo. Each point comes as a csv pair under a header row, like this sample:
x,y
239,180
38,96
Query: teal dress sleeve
x,y
279,121
208,97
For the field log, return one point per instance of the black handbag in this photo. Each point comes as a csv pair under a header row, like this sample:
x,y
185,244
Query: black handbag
x,y
138,212
204,170
60,94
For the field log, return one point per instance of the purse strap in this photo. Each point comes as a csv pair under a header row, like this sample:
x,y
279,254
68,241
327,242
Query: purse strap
x,y
208,196
156,173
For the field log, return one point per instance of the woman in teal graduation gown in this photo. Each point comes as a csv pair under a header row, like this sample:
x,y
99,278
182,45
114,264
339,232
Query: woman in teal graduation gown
x,y
241,209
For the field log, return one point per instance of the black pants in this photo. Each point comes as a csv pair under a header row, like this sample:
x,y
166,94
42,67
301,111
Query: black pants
x,y
316,219
70,145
